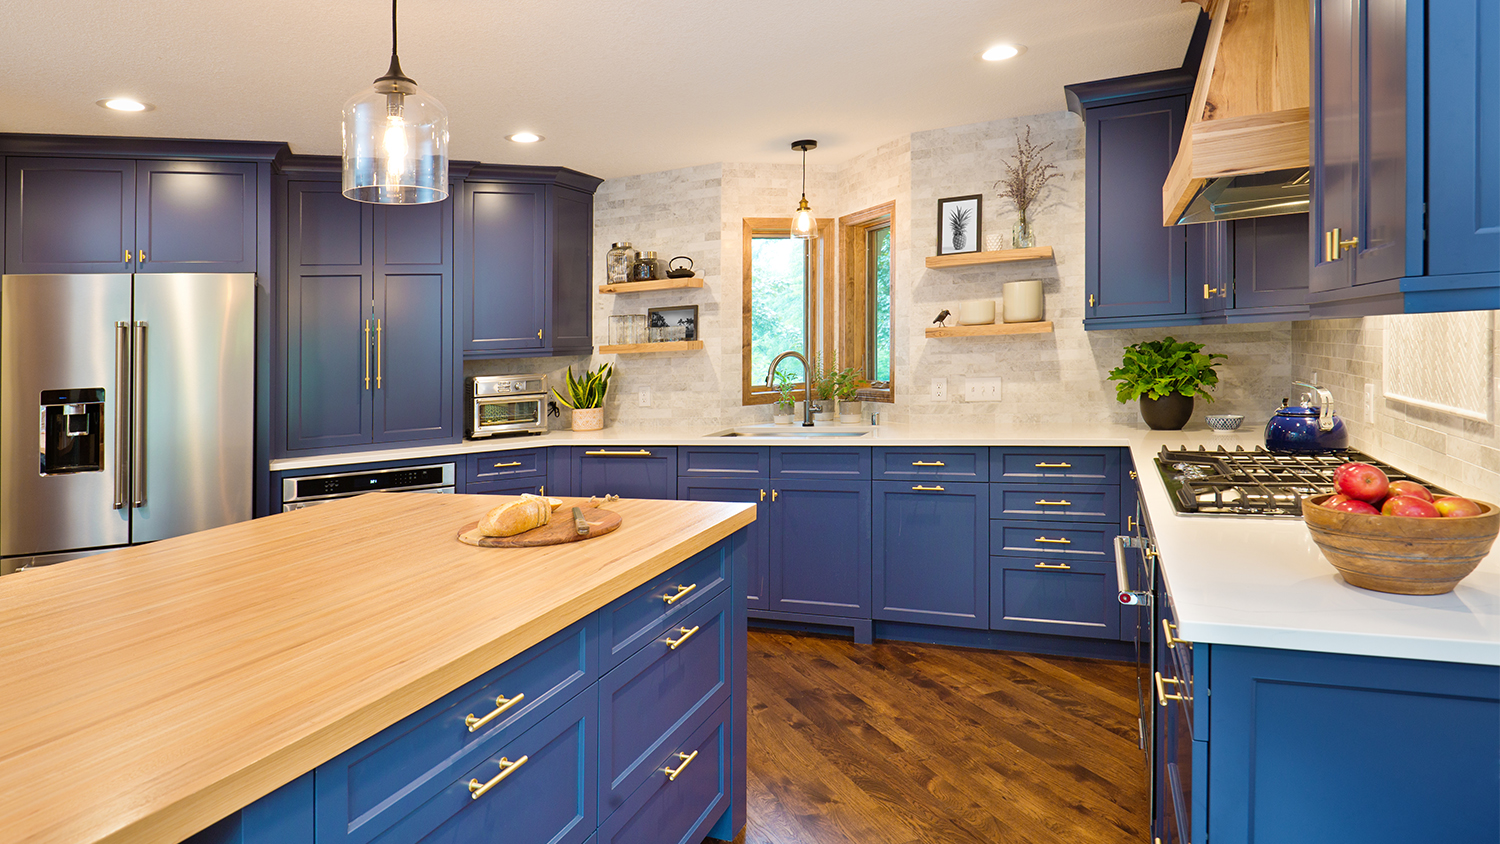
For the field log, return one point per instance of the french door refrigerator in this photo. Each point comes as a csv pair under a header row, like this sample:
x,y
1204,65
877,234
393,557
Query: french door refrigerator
x,y
126,410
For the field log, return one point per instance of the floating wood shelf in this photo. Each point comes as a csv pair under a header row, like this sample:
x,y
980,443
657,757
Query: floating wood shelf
x,y
659,284
991,330
637,348
1004,256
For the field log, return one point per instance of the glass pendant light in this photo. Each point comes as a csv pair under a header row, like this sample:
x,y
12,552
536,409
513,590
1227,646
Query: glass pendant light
x,y
804,224
395,140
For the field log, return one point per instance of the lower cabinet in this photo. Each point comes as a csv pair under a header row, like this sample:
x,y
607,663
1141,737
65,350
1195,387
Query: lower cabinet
x,y
739,491
1057,597
819,556
679,800
626,471
533,486
931,553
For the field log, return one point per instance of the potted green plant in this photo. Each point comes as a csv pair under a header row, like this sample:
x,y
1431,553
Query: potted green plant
x,y
586,397
846,385
826,386
786,401
1166,376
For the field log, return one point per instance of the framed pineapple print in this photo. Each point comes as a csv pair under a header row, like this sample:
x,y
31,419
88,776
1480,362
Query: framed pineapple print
x,y
958,225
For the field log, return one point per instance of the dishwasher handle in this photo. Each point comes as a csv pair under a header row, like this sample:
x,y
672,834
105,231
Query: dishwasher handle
x,y
1129,597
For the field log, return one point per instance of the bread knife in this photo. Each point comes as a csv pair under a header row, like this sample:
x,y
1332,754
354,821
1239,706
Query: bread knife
x,y
580,524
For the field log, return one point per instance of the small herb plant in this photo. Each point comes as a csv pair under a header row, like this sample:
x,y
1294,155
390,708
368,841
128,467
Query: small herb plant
x,y
1160,368
785,386
588,391
847,383
826,384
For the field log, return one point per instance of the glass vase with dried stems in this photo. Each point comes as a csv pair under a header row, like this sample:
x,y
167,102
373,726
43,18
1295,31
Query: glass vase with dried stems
x,y
1026,175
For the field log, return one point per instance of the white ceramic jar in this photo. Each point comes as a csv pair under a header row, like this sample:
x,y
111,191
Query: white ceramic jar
x,y
1023,301
981,312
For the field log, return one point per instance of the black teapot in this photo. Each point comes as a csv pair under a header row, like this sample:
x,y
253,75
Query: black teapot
x,y
680,272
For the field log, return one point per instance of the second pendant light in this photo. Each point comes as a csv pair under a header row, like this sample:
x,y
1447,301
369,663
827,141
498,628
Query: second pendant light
x,y
804,224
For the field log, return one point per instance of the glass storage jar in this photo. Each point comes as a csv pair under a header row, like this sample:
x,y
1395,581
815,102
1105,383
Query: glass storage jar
x,y
646,268
627,329
617,263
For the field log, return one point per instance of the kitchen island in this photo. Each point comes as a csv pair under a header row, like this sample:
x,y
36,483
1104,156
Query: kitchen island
x,y
157,690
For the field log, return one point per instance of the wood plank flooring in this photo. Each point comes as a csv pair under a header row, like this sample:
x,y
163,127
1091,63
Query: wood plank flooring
x,y
899,744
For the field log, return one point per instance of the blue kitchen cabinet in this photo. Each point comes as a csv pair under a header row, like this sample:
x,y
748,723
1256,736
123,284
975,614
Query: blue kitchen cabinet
x,y
533,486
678,809
1054,597
819,557
629,472
1254,270
738,490
570,280
195,217
931,553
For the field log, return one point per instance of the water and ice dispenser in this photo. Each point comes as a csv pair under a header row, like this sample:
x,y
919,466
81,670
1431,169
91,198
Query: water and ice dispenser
x,y
72,431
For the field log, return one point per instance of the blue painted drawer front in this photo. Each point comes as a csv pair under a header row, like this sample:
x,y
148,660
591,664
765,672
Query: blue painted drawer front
x,y
931,558
549,799
1035,596
947,464
724,462
1047,502
642,614
534,486
507,464
626,471
1060,465
820,547
810,463
1081,540
663,811
656,692
739,491
365,790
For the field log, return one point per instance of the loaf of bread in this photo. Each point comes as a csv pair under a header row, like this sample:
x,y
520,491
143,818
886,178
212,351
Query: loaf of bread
x,y
525,513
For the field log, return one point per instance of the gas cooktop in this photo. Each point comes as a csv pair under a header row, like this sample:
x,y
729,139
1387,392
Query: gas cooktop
x,y
1257,483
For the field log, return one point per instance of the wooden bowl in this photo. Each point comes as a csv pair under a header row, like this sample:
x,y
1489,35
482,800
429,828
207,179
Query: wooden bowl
x,y
1403,555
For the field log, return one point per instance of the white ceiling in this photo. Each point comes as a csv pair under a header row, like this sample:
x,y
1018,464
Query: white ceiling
x,y
617,87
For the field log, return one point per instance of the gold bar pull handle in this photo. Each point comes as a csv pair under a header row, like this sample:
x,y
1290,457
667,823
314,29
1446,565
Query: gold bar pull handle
x,y
507,768
142,254
928,463
686,635
379,354
502,703
762,495
1045,503
681,593
1172,641
1130,522
1054,465
1161,692
367,354
127,256
687,759
774,493
920,488
606,453
507,465
1054,566
1062,541
1346,245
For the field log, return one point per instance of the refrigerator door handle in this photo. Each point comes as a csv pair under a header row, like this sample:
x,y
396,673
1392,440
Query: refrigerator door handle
x,y
138,419
122,411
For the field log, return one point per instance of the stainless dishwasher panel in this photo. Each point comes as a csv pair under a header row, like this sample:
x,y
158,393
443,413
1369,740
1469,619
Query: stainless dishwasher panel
x,y
307,490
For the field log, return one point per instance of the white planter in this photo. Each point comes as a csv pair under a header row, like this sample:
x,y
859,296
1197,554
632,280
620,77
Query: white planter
x,y
850,412
588,419
781,418
824,416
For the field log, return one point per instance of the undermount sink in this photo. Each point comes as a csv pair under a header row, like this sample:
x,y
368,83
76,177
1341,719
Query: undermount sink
x,y
785,432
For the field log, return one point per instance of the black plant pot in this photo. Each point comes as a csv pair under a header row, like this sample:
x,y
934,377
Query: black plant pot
x,y
1168,413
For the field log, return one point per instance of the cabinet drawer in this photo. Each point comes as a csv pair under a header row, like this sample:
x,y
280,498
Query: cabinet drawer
x,y
1047,502
637,617
546,799
507,464
657,692
680,810
724,462
844,463
387,777
1063,465
1078,540
1057,597
514,486
626,471
948,464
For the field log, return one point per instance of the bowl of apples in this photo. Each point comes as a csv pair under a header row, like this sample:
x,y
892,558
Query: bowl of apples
x,y
1395,536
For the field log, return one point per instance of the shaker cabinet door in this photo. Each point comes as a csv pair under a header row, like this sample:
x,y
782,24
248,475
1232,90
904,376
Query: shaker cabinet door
x,y
820,547
69,215
931,553
195,216
740,491
414,348
504,267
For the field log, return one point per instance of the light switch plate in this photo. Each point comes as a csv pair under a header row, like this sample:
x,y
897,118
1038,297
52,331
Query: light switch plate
x,y
982,389
940,389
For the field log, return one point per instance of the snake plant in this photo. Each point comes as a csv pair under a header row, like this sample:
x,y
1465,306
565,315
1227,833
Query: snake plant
x,y
587,391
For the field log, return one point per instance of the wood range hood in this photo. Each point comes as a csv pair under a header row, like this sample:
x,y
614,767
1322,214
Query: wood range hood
x,y
1244,150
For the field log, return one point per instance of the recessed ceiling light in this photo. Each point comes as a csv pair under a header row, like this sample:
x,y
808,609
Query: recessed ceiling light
x,y
1001,52
524,137
125,104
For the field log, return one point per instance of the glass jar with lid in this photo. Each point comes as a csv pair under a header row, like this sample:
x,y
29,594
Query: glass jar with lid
x,y
618,261
646,268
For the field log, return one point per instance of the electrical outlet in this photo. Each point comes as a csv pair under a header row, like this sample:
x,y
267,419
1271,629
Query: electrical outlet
x,y
982,389
1369,402
940,389
645,397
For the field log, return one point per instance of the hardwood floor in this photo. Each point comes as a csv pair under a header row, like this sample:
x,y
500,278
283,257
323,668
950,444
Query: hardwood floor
x,y
896,744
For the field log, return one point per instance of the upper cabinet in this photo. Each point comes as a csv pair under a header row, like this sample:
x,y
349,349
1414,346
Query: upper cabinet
x,y
1405,212
79,215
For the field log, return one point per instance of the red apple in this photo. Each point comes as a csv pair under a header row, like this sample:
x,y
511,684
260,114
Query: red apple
x,y
1354,505
1411,488
1361,481
1408,505
1333,501
1453,506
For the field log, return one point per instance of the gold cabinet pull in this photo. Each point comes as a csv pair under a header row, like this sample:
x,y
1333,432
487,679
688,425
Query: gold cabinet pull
x,y
538,334
1045,503
502,703
142,252
507,465
1054,566
1344,245
928,463
367,354
1054,465
1172,641
1130,522
686,635
379,354
507,768
606,453
920,488
762,495
774,493
1063,541
1161,692
1133,474
687,759
1091,300
127,256
681,593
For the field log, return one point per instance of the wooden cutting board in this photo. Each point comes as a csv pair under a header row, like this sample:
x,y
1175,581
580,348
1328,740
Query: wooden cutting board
x,y
556,532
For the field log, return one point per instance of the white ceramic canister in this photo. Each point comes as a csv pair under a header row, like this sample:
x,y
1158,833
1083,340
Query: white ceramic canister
x,y
1023,301
981,312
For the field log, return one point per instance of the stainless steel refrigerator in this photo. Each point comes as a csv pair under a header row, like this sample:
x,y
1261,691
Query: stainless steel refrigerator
x,y
126,410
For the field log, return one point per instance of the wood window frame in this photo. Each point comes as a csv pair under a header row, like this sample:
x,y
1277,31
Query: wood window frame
x,y
853,292
821,305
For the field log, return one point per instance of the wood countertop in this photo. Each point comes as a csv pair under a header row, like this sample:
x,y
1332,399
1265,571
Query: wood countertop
x,y
151,691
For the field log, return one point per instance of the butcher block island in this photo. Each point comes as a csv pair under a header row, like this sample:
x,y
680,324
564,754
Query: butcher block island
x,y
351,672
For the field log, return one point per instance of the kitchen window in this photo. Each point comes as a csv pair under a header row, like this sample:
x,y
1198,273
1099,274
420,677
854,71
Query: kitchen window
x,y
785,304
865,297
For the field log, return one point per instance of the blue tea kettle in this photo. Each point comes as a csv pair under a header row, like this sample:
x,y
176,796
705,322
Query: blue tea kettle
x,y
1307,427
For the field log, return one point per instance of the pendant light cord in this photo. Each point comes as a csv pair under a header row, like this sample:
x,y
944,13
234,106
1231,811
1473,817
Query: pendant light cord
x,y
804,165
393,36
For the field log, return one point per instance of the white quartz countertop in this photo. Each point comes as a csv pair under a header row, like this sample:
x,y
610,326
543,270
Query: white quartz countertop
x,y
1235,581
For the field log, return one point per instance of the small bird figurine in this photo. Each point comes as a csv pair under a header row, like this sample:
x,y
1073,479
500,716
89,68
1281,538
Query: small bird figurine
x,y
941,318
